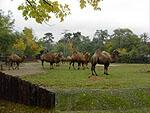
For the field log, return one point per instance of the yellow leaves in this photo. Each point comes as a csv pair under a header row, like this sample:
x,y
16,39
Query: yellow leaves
x,y
122,51
19,44
29,39
82,4
34,46
70,46
43,10
93,3
28,36
20,7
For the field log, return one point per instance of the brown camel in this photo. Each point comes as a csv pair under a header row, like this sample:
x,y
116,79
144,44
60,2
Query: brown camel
x,y
58,57
51,58
77,57
103,58
15,59
68,59
86,58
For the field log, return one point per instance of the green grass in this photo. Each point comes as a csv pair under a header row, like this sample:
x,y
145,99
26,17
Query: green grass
x,y
122,76
121,99
137,110
125,90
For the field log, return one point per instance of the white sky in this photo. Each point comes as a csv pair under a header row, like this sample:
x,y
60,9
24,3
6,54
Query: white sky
x,y
132,14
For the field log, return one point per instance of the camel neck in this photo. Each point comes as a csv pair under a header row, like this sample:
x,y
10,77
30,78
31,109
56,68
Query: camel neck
x,y
113,58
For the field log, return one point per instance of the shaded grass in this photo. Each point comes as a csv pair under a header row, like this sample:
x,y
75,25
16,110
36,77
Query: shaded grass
x,y
9,107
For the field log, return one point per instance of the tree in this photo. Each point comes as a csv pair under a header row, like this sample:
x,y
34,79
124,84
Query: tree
x,y
30,41
99,39
85,44
48,40
65,44
76,39
132,47
124,38
144,37
7,36
19,45
44,10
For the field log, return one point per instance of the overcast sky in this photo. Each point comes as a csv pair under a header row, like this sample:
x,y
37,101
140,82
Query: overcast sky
x,y
132,14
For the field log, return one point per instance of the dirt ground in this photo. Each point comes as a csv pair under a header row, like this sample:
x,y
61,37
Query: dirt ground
x,y
25,69
34,68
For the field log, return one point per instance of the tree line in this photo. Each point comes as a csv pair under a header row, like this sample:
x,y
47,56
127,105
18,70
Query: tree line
x,y
132,47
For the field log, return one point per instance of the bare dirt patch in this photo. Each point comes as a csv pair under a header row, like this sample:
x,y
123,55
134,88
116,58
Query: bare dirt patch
x,y
95,78
25,69
101,65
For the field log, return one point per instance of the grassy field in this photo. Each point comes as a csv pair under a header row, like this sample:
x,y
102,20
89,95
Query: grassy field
x,y
125,90
121,76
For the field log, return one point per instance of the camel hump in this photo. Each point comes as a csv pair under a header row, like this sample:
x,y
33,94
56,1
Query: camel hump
x,y
68,57
14,56
106,55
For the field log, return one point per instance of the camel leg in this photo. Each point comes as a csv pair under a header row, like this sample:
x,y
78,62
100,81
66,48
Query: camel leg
x,y
83,65
43,64
93,69
79,65
70,64
17,65
106,69
73,65
51,65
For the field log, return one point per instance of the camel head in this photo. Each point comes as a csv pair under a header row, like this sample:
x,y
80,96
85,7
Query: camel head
x,y
23,57
115,55
116,52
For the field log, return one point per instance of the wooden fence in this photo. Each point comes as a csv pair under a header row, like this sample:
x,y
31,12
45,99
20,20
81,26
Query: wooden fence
x,y
16,90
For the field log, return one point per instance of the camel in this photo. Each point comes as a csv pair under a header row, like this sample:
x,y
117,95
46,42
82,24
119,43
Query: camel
x,y
68,59
86,58
51,58
58,57
15,59
103,58
80,58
